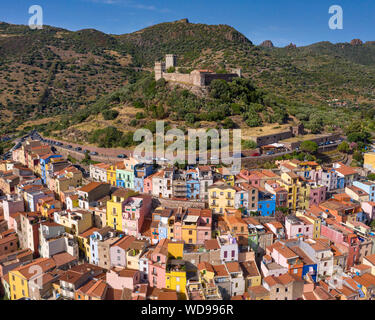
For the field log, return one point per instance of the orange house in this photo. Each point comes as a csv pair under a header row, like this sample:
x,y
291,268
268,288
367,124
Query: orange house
x,y
235,223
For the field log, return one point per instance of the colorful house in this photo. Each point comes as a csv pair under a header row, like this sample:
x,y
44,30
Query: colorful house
x,y
221,197
111,174
115,207
266,203
192,184
368,187
134,212
21,277
44,161
141,172
192,226
226,175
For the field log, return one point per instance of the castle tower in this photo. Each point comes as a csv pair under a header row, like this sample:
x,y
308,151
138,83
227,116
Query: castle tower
x,y
159,69
170,61
238,71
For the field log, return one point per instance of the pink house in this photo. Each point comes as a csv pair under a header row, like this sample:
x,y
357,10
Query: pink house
x,y
158,264
10,207
147,184
318,194
117,252
344,239
281,254
134,212
250,177
119,279
369,208
296,227
271,268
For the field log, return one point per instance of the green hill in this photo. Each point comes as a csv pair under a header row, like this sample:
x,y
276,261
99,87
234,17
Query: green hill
x,y
50,72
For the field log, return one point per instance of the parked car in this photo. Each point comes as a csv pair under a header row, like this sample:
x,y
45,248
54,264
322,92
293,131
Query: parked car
x,y
78,149
69,146
121,156
93,153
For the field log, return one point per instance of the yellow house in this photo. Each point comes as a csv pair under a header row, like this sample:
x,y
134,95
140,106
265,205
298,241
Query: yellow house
x,y
221,197
316,221
369,161
175,249
298,190
83,240
226,175
206,272
175,275
111,175
251,274
46,206
114,207
21,277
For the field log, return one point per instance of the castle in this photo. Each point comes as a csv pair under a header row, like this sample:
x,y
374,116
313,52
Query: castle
x,y
199,78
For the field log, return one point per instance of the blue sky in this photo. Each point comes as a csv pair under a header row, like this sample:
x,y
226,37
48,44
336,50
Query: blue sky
x,y
283,21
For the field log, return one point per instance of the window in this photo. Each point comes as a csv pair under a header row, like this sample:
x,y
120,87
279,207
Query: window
x,y
277,290
225,256
295,271
233,253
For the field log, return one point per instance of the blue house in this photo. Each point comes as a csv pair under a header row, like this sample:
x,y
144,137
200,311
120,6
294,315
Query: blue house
x,y
141,171
266,204
311,269
44,160
368,187
340,182
192,184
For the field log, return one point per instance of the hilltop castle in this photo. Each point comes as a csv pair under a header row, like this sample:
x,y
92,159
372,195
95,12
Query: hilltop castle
x,y
199,78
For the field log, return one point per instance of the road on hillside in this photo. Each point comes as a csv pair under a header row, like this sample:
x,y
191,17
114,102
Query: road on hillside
x,y
113,153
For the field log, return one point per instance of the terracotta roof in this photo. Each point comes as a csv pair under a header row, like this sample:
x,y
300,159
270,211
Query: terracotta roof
x,y
28,272
371,259
88,232
220,271
167,295
63,258
249,269
90,187
345,170
367,280
212,244
205,266
258,290
233,266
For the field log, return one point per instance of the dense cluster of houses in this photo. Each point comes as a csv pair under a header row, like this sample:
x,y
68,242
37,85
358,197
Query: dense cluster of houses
x,y
136,231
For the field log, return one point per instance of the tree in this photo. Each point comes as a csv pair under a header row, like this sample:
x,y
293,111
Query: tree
x,y
110,114
343,147
171,69
372,224
357,156
371,176
249,144
309,146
